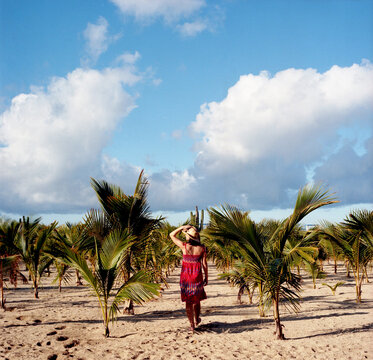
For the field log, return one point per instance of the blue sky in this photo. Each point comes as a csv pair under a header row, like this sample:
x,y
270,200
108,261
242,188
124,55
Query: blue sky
x,y
239,102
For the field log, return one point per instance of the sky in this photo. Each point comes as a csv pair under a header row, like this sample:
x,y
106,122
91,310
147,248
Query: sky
x,y
236,102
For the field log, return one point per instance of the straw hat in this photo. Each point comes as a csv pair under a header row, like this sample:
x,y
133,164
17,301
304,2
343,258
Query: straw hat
x,y
192,233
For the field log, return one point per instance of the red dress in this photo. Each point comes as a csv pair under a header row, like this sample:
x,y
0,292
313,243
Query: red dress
x,y
191,279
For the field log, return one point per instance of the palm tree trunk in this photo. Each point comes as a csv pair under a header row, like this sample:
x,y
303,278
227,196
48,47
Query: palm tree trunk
x,y
2,289
261,305
358,281
106,320
130,309
251,293
78,278
366,274
276,314
240,293
36,290
348,269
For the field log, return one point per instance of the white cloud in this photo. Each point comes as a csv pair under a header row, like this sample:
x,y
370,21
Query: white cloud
x,y
192,28
257,145
129,58
97,38
213,18
172,190
293,114
169,10
254,147
261,137
174,13
52,139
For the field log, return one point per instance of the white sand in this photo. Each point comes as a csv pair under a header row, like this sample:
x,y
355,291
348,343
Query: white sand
x,y
69,325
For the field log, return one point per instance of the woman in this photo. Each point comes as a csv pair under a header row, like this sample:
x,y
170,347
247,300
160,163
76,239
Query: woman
x,y
191,279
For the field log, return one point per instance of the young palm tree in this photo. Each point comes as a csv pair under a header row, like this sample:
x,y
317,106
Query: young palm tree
x,y
314,270
75,237
239,278
106,278
130,212
8,233
354,237
332,250
32,239
6,265
160,256
29,239
280,279
269,256
233,230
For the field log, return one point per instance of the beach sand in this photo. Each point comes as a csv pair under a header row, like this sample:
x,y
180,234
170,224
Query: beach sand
x,y
68,325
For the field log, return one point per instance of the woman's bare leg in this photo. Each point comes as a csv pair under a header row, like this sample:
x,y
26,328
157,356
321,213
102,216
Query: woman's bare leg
x,y
197,312
190,314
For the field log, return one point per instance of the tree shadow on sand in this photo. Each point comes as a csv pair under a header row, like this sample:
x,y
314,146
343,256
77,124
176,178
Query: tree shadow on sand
x,y
319,317
363,328
233,327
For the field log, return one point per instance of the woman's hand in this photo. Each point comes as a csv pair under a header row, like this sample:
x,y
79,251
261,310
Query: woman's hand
x,y
185,228
205,282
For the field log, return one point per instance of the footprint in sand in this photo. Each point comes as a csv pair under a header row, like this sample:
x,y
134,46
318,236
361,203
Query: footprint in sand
x,y
52,357
71,344
60,328
52,333
62,338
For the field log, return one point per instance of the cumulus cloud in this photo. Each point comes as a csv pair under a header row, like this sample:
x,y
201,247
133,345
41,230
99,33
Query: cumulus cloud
x,y
199,16
192,28
97,38
169,10
129,58
51,140
257,144
254,148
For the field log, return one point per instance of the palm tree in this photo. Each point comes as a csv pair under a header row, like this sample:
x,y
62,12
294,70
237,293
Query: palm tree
x,y
314,270
75,237
31,241
131,212
239,278
233,230
105,279
7,263
331,249
269,256
8,234
160,255
354,237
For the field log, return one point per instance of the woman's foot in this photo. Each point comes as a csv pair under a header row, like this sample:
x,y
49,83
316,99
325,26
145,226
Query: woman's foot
x,y
198,320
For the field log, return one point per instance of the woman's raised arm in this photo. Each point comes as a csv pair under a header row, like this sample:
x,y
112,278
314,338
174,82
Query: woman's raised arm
x,y
173,234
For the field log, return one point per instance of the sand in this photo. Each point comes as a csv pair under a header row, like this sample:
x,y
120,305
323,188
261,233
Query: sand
x,y
68,325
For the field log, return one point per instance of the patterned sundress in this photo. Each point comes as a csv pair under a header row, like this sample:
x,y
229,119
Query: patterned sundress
x,y
191,279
